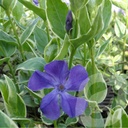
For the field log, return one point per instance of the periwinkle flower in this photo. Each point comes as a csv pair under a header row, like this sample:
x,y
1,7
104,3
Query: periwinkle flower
x,y
36,2
62,80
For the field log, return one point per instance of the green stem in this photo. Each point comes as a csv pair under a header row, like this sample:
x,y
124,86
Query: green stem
x,y
93,120
13,75
75,29
71,56
84,54
47,30
55,123
92,50
123,55
32,50
93,60
17,38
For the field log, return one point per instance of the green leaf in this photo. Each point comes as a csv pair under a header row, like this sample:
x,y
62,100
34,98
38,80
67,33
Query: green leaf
x,y
77,4
96,3
11,89
44,119
7,38
51,49
14,104
96,118
70,121
120,81
93,6
8,4
120,28
98,23
18,11
6,122
95,28
32,64
84,21
96,89
29,101
41,39
106,13
4,60
7,50
22,121
28,31
56,13
103,47
35,95
64,49
124,118
80,40
121,4
118,118
61,125
3,90
40,12
108,123
1,105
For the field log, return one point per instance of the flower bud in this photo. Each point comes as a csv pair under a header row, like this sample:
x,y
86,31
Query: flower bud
x,y
69,20
36,2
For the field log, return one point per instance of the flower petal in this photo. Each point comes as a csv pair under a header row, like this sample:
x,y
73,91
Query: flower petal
x,y
73,106
58,69
49,105
78,78
40,80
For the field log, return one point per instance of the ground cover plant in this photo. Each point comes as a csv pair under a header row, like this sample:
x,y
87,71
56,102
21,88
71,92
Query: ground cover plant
x,y
64,64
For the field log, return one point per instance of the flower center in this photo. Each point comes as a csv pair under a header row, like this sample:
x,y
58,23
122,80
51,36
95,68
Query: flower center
x,y
61,88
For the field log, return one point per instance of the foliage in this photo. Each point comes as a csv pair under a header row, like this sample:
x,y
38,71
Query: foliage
x,y
33,35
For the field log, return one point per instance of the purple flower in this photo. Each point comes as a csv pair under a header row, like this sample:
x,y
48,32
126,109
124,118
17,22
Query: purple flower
x,y
62,80
69,20
35,2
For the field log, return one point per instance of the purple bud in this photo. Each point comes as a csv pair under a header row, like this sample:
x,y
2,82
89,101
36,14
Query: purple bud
x,y
69,20
35,2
